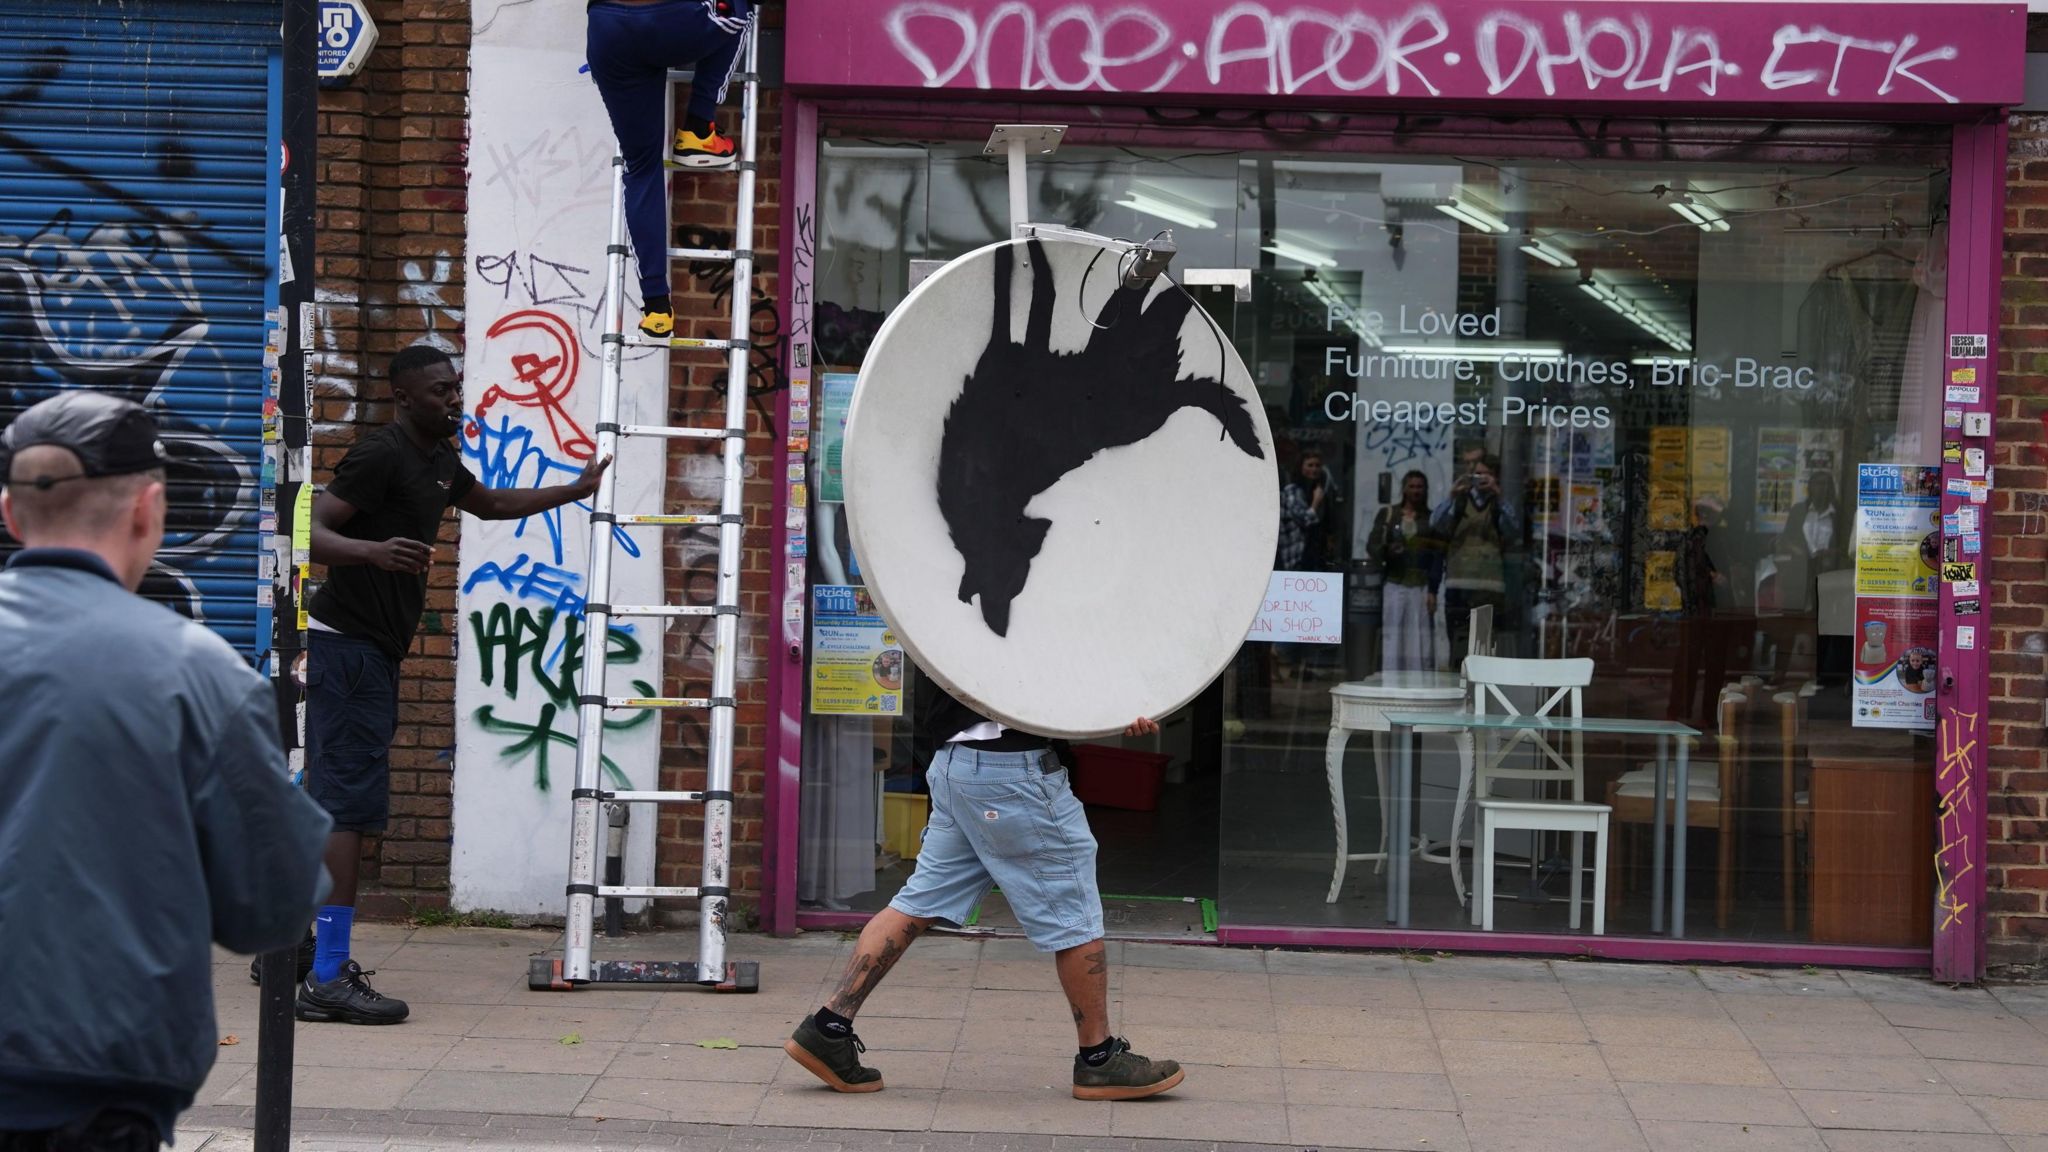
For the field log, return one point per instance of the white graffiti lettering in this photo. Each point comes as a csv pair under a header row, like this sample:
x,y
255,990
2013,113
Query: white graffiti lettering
x,y
1079,47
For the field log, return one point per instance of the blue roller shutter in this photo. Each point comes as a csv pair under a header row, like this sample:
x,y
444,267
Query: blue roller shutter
x,y
137,184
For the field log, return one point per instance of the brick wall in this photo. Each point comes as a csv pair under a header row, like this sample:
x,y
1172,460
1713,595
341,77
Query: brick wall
x,y
391,243
2018,876
391,226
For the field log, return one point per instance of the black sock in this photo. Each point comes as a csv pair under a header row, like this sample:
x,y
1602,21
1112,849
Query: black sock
x,y
697,125
656,304
1099,1055
833,1024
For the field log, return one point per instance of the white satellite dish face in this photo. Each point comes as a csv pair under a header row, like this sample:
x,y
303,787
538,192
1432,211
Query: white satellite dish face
x,y
1061,492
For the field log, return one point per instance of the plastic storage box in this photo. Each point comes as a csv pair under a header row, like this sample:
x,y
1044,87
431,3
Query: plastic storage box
x,y
1112,777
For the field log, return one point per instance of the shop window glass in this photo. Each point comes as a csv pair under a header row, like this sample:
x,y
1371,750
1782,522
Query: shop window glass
x,y
1668,417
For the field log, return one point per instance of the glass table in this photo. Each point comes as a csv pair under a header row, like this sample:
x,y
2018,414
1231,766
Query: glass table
x,y
1402,788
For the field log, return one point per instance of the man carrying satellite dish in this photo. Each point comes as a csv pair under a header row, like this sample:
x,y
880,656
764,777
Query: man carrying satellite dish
x,y
1002,812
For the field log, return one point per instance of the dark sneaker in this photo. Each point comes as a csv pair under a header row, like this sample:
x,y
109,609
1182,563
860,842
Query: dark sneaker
x,y
349,999
305,959
833,1060
1124,1076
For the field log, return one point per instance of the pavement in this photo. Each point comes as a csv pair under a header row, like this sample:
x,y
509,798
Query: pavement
x,y
1305,1049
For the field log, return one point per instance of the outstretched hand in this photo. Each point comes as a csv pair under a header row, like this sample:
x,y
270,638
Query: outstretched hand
x,y
587,480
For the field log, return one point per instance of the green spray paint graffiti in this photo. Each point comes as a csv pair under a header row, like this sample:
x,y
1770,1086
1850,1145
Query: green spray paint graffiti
x,y
515,642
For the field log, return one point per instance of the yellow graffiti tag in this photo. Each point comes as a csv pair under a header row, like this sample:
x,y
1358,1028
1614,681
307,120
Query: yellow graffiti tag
x,y
1953,779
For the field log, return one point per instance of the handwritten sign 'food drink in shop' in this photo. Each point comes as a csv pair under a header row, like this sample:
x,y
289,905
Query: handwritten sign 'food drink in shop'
x,y
1301,608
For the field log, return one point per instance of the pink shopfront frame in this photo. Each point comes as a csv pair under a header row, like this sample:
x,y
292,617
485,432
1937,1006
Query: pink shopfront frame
x,y
1245,73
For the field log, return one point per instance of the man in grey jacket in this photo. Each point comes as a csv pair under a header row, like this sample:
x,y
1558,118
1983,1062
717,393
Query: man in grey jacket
x,y
145,812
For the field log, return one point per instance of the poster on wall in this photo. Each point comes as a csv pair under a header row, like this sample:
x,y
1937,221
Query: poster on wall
x,y
1660,582
835,395
1710,464
1668,465
1898,558
856,661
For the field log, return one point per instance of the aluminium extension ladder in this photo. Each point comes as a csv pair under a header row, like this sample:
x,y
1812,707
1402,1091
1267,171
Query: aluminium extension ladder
x,y
575,966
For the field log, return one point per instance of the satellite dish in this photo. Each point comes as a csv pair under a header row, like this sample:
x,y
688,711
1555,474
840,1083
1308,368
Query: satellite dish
x,y
1061,490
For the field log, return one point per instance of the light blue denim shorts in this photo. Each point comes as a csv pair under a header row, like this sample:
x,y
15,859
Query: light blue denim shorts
x,y
1007,818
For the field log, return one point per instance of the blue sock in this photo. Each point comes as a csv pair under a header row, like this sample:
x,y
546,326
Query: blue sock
x,y
330,940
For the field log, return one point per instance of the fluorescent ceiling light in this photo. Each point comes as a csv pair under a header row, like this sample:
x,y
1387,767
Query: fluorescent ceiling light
x,y
1152,206
1701,213
1596,290
1469,213
1300,255
1477,352
1550,254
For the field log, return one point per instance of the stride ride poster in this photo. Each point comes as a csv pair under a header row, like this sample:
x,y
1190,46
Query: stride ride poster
x,y
856,661
1898,554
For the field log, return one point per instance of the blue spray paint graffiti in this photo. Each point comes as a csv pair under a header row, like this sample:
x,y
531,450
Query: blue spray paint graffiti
x,y
103,286
506,457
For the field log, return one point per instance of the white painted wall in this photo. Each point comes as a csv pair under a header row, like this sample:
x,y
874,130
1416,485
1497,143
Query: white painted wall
x,y
539,209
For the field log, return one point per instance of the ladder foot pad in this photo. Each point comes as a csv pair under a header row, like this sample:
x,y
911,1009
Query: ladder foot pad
x,y
739,975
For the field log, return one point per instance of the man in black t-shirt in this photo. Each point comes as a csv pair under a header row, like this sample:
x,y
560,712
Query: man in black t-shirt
x,y
374,527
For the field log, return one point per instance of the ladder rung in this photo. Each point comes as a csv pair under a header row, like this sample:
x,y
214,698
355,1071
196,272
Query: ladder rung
x,y
637,340
720,254
657,702
630,891
664,610
667,521
672,433
653,797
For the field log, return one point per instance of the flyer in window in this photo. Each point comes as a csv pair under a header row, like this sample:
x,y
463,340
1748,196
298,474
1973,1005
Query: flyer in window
x,y
835,396
1898,557
856,660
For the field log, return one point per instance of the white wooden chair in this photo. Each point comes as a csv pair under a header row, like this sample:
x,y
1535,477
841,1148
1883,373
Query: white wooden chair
x,y
1485,754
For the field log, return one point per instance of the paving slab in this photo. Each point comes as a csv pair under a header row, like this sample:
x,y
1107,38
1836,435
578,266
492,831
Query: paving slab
x,y
1292,1048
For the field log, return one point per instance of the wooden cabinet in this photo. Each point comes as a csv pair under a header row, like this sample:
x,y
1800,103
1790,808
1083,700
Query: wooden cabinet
x,y
1873,850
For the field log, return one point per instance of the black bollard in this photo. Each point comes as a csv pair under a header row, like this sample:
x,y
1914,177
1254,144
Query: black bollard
x,y
278,972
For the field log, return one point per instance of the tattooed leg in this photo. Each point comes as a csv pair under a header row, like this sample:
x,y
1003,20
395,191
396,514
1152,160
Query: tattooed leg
x,y
883,942
1084,974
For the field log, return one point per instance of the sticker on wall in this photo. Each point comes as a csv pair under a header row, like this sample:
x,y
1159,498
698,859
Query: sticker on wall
x,y
1952,452
1968,519
1961,394
1970,346
1962,570
1963,376
1966,607
1980,490
1965,588
1973,462
1973,544
1950,551
1951,417
1966,636
1957,486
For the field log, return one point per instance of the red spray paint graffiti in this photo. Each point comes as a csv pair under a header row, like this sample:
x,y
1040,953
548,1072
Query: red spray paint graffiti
x,y
545,377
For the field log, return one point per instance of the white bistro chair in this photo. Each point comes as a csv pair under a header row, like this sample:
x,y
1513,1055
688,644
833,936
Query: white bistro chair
x,y
1489,756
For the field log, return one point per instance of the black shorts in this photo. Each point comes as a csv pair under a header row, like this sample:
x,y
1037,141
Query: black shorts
x,y
351,715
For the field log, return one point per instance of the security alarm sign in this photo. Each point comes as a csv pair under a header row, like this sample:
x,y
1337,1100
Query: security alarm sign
x,y
347,35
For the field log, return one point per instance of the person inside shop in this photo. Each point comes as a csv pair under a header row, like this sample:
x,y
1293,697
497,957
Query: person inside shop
x,y
1702,641
631,45
1813,543
1410,556
1302,547
1477,526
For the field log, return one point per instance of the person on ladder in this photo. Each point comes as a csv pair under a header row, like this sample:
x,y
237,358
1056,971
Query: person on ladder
x,y
631,46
